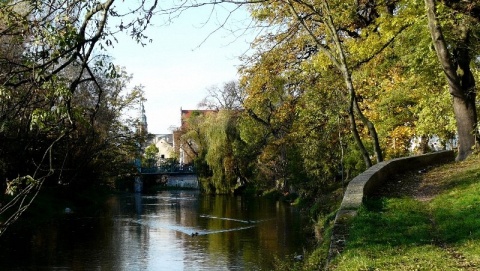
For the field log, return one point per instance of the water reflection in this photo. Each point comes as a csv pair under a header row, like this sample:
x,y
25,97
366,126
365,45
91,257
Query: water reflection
x,y
167,231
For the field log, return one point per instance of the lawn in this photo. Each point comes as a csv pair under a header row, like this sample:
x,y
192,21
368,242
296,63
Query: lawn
x,y
422,221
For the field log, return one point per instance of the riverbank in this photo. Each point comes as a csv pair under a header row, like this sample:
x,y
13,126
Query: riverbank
x,y
421,220
424,220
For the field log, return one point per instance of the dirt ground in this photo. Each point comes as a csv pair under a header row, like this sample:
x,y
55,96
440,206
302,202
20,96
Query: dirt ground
x,y
423,184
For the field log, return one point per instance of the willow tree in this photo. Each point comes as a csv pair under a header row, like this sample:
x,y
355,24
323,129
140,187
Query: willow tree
x,y
220,133
456,43
211,139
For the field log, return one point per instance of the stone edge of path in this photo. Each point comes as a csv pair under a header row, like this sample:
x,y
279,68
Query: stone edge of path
x,y
370,180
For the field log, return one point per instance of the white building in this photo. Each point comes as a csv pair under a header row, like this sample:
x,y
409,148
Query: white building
x,y
164,143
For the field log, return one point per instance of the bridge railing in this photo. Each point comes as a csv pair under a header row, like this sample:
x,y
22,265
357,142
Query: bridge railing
x,y
167,169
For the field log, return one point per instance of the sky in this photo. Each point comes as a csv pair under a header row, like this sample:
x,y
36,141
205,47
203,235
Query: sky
x,y
181,63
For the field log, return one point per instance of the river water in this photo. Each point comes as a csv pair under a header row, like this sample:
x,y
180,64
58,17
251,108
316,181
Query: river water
x,y
171,230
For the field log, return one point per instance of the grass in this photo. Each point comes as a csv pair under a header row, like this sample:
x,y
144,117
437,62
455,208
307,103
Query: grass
x,y
432,225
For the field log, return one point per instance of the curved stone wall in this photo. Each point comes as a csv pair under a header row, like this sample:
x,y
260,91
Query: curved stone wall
x,y
368,181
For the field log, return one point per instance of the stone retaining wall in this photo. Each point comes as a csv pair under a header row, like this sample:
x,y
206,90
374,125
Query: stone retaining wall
x,y
367,182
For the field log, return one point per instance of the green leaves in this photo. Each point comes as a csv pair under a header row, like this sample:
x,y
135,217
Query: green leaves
x,y
150,156
314,58
16,185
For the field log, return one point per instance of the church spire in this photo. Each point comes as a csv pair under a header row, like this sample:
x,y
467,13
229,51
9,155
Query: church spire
x,y
142,124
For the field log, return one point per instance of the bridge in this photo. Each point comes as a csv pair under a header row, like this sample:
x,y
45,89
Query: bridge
x,y
171,170
174,176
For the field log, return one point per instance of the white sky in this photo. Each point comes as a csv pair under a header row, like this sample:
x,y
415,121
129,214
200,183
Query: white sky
x,y
177,68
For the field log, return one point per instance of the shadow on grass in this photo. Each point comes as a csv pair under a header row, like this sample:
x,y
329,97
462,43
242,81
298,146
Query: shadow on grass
x,y
419,221
457,214
392,222
452,218
390,231
393,215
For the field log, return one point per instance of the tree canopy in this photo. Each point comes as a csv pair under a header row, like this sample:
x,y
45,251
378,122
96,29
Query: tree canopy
x,y
62,100
328,83
328,89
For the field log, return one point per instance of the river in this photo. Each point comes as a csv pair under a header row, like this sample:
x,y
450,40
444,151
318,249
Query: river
x,y
170,230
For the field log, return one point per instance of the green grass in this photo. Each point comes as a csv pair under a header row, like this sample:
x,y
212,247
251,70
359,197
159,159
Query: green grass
x,y
403,233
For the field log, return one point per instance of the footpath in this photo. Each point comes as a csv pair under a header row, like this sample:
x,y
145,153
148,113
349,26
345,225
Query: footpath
x,y
424,219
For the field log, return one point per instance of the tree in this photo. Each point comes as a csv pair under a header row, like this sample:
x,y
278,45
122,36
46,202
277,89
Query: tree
x,y
212,138
230,97
370,45
455,58
331,33
58,92
401,85
270,103
108,143
49,59
150,156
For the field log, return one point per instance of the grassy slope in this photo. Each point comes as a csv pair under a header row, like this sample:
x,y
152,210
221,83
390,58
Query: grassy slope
x,y
428,221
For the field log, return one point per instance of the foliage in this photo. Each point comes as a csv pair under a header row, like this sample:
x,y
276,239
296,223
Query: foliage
x,y
328,84
150,156
57,90
298,92
15,185
456,42
220,134
212,139
62,102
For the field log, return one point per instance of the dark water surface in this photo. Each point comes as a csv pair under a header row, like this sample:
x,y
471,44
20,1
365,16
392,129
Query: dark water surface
x,y
154,232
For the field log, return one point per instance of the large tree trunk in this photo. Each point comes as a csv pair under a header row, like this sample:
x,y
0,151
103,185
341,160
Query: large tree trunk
x,y
460,80
466,117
